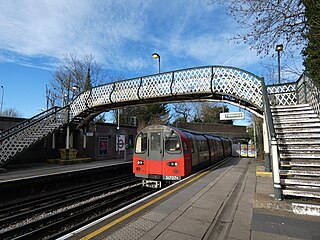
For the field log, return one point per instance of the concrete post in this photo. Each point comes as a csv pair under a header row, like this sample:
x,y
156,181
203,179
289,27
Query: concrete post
x,y
275,170
266,146
67,142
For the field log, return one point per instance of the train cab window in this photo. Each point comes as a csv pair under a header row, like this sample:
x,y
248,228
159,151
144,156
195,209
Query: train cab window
x,y
155,141
172,143
141,144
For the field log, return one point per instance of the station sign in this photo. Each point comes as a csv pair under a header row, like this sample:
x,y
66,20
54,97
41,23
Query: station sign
x,y
232,116
120,143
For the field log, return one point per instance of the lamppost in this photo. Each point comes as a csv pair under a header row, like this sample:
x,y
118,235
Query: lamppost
x,y
279,48
2,99
156,55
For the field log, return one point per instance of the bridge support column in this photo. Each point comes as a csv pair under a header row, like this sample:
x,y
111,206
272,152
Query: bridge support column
x,y
266,146
53,141
84,140
67,142
275,170
71,140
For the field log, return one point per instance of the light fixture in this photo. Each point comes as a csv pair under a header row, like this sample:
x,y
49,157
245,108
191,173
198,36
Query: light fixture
x,y
279,48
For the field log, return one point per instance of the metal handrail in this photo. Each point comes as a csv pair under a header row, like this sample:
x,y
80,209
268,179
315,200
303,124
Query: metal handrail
x,y
274,147
28,121
21,127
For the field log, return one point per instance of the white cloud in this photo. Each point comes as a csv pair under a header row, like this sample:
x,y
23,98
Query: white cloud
x,y
53,28
119,34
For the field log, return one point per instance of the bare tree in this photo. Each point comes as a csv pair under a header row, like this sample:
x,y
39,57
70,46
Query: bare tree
x,y
11,112
78,72
183,111
269,22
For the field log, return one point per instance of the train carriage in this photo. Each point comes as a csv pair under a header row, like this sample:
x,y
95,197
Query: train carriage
x,y
164,153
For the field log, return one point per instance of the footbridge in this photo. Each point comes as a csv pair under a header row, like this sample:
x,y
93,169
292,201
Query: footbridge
x,y
214,83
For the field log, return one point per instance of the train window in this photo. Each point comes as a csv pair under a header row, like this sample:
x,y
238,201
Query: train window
x,y
191,145
141,144
155,141
172,143
203,146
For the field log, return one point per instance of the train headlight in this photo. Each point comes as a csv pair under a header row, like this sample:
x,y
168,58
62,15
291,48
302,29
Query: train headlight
x,y
172,164
140,162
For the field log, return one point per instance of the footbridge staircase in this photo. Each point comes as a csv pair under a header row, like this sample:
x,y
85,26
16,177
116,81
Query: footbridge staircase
x,y
290,112
295,111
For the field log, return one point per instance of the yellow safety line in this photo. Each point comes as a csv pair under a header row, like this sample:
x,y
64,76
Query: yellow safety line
x,y
120,219
263,173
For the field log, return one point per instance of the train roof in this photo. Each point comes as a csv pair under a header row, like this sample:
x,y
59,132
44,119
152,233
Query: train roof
x,y
168,128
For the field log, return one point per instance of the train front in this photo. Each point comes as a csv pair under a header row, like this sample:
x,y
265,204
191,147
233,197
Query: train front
x,y
160,155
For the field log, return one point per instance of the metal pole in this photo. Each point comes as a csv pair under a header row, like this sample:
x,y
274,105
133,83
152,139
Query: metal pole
x,y
278,67
2,99
159,64
254,138
68,119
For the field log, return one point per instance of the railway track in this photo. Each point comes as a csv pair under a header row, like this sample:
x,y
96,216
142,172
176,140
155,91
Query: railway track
x,y
56,214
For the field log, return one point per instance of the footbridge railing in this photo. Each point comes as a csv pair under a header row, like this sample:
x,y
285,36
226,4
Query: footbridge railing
x,y
204,82
305,90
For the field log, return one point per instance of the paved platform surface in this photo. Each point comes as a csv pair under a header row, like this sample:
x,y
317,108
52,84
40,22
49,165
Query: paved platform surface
x,y
231,202
32,170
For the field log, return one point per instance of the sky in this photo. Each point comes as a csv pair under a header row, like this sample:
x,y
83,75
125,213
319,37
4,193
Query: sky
x,y
121,35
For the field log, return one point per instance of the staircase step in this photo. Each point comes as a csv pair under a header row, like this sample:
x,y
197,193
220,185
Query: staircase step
x,y
309,147
299,155
297,130
301,182
297,106
298,125
294,119
300,163
301,135
300,172
292,113
298,141
312,193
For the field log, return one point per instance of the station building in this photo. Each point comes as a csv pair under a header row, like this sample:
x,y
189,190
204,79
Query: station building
x,y
97,142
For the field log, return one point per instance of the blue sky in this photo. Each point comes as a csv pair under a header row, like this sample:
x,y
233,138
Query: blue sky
x,y
121,35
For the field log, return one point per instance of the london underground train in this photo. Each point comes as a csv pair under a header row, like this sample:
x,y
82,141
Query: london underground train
x,y
164,154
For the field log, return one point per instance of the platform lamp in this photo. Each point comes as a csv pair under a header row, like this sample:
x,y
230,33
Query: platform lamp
x,y
156,55
75,88
279,48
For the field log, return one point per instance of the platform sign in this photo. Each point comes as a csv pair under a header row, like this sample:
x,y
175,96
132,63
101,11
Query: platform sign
x,y
244,150
251,150
120,143
232,116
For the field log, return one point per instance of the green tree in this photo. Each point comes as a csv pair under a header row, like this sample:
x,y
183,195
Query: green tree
x,y
312,50
143,115
211,113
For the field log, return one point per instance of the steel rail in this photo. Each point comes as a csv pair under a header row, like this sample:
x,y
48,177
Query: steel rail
x,y
54,223
24,215
13,207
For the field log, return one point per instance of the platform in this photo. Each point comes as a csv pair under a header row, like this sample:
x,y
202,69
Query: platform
x,y
36,170
229,202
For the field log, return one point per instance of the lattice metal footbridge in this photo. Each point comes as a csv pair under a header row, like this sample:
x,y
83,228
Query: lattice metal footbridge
x,y
217,83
